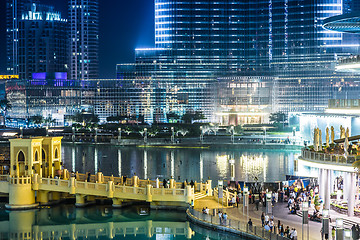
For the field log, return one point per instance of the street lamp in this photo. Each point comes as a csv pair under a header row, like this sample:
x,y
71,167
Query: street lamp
x,y
145,135
268,203
172,135
264,134
73,134
339,228
232,134
96,132
201,134
347,234
47,131
119,135
21,132
246,196
305,217
325,223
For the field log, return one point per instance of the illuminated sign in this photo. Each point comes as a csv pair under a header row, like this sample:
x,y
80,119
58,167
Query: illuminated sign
x,y
9,76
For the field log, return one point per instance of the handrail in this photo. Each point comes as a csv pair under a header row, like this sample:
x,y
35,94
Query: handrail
x,y
328,157
232,224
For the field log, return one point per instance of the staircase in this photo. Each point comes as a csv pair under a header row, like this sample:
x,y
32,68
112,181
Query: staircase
x,y
199,195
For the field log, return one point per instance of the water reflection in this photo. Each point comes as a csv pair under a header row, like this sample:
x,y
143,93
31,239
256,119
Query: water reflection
x,y
182,164
100,222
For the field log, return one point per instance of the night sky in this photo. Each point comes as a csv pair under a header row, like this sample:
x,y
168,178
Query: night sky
x,y
124,26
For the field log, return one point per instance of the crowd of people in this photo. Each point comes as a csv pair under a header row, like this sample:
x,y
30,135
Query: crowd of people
x,y
269,225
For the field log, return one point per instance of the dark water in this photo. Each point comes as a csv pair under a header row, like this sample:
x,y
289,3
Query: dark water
x,y
103,222
100,222
182,163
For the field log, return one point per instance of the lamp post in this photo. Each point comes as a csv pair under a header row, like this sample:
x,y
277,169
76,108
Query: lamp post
x,y
246,196
325,223
172,135
232,134
73,134
305,217
96,132
119,135
21,132
145,135
264,135
347,234
268,203
47,131
339,228
201,134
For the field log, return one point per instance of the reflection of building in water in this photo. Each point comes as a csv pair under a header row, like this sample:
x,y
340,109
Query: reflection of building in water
x,y
73,223
254,166
222,164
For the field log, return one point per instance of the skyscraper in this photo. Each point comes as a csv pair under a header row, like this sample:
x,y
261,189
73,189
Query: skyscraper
x,y
36,38
199,42
84,39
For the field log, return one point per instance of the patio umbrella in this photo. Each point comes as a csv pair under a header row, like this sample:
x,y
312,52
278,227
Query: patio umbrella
x,y
346,146
315,140
342,132
327,137
332,134
320,140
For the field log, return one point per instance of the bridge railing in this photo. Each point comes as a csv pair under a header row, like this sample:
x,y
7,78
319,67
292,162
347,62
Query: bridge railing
x,y
4,178
227,196
328,157
241,226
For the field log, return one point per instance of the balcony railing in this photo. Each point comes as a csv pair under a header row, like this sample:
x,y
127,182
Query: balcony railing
x,y
328,157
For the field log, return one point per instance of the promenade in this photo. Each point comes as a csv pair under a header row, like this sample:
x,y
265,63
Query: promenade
x,y
280,212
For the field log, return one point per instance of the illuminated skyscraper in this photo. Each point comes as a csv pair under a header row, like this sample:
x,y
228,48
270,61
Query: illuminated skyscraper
x,y
84,39
198,42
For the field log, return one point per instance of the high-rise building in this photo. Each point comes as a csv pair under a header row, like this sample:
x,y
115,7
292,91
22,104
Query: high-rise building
x,y
198,42
84,39
36,38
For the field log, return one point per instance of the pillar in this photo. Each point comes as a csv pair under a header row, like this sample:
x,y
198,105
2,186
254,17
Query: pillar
x,y
135,181
327,188
148,193
189,194
43,197
320,180
117,202
80,200
351,193
172,183
21,195
208,187
56,196
110,189
99,177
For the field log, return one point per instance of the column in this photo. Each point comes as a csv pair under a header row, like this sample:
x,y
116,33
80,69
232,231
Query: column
x,y
327,186
351,193
320,180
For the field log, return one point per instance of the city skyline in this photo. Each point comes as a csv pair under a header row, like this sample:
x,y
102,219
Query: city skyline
x,y
115,46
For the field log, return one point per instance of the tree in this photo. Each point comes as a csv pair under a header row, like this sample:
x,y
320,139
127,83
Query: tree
x,y
49,120
172,116
85,119
277,118
189,116
36,120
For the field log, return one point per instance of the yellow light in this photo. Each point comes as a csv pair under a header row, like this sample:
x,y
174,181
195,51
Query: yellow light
x,y
9,76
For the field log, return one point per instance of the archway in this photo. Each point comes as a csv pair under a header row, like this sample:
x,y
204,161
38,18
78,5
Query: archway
x,y
21,163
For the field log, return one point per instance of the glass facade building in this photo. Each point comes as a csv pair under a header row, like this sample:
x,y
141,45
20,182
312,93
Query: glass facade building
x,y
36,38
84,39
199,42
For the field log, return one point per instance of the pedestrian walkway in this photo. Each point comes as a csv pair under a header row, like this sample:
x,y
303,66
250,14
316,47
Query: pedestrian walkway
x,y
280,212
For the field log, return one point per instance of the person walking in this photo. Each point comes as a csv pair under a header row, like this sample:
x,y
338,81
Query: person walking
x,y
250,224
220,217
224,218
333,232
262,219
